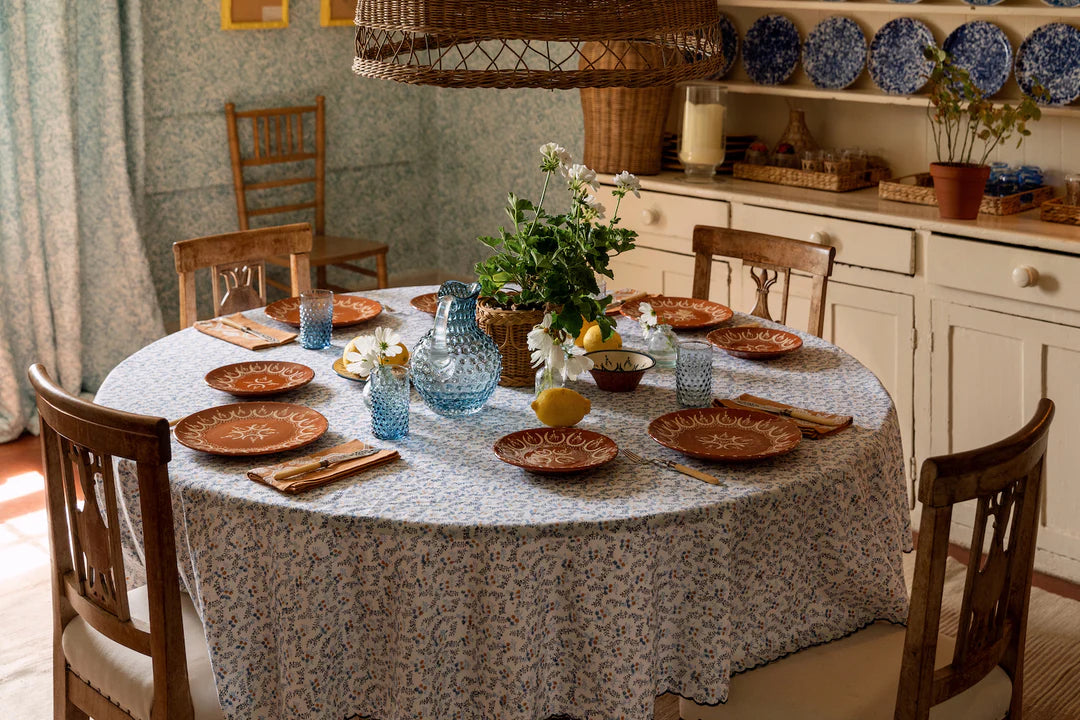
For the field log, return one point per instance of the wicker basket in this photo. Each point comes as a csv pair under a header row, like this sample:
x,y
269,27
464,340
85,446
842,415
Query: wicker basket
x,y
1057,211
919,189
832,182
510,331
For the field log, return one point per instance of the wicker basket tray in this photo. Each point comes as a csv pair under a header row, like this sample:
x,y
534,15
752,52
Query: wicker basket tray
x,y
1058,212
919,189
806,178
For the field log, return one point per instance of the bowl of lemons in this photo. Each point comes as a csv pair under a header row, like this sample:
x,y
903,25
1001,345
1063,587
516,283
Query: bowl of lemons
x,y
619,370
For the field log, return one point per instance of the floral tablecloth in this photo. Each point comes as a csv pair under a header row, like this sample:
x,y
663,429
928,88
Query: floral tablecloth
x,y
450,585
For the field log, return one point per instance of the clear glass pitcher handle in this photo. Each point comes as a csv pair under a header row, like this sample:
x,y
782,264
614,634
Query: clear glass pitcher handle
x,y
439,354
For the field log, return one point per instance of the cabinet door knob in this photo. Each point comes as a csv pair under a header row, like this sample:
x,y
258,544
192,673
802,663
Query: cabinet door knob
x,y
819,237
650,216
1025,276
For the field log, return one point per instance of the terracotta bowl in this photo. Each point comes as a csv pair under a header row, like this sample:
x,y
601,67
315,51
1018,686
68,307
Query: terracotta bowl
x,y
619,370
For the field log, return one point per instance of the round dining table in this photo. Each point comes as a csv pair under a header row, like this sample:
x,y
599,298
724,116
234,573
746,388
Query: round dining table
x,y
449,584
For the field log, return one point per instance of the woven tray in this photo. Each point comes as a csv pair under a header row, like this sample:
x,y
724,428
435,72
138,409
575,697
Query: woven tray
x,y
919,189
806,178
1058,212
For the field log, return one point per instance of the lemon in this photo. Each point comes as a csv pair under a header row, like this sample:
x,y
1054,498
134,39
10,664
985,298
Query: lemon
x,y
560,407
594,340
585,325
400,359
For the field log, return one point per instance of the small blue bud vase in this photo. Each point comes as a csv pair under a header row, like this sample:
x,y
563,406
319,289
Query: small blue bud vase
x,y
389,402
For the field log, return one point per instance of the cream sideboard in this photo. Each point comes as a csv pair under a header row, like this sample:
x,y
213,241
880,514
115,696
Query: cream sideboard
x,y
966,323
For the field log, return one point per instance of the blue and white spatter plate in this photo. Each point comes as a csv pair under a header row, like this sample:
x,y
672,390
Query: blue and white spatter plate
x,y
771,50
1051,56
834,54
982,49
1062,3
897,64
729,45
983,3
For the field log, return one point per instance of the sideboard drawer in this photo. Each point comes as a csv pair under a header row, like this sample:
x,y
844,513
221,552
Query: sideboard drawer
x,y
659,215
869,245
1017,273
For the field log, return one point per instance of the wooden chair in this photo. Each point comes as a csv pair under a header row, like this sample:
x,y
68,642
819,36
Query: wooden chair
x,y
277,137
237,261
117,654
883,671
765,253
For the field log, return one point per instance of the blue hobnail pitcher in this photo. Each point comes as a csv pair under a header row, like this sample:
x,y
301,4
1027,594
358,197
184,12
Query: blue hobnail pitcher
x,y
455,365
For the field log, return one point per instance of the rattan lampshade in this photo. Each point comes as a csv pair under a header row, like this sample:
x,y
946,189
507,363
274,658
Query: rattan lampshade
x,y
537,43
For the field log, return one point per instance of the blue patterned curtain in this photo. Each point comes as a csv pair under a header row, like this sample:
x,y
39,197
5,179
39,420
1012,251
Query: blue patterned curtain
x,y
75,286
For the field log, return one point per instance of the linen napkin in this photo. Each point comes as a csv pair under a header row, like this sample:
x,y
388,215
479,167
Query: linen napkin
x,y
808,429
220,330
318,478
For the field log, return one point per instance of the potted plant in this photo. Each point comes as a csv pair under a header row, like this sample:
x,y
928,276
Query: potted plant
x,y
967,126
551,262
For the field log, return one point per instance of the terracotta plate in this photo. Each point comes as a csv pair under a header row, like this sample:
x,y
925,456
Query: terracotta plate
x,y
556,450
754,343
339,368
682,313
348,310
259,378
428,302
251,428
725,434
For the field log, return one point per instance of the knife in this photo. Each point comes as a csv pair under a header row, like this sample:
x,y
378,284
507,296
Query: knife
x,y
797,413
251,331
323,462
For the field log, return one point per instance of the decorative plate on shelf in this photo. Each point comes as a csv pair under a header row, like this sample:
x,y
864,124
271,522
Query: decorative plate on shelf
x,y
729,45
348,310
725,433
556,450
770,51
428,302
1051,55
834,53
897,65
252,428
754,343
983,3
259,378
983,49
1062,3
905,2
682,313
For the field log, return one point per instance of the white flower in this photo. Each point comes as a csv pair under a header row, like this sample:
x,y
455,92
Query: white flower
x,y
365,358
555,151
595,205
648,316
580,175
541,342
386,342
576,362
626,181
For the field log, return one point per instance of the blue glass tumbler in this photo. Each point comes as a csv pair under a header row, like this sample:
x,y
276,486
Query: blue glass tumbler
x,y
693,374
390,402
316,319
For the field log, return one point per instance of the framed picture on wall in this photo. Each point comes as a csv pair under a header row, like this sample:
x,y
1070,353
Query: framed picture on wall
x,y
254,14
337,13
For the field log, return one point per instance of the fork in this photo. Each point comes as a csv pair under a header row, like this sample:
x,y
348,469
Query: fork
x,y
704,477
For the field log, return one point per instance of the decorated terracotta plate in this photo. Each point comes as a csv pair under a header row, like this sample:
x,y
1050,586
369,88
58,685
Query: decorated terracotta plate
x,y
251,428
348,310
339,368
725,434
682,313
259,378
754,343
556,450
428,302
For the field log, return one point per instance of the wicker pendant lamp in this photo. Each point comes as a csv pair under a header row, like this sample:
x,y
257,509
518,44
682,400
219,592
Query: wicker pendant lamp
x,y
554,44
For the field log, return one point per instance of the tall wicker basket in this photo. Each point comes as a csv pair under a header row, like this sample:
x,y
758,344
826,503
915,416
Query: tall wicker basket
x,y
624,127
510,330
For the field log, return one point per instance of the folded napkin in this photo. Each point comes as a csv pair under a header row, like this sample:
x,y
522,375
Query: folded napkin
x,y
317,478
619,297
809,429
223,331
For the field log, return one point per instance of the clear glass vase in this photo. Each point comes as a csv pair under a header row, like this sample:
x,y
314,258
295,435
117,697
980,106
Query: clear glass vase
x,y
547,378
661,343
389,402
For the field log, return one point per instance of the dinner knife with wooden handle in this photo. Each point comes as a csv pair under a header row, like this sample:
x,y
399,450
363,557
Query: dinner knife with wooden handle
x,y
323,462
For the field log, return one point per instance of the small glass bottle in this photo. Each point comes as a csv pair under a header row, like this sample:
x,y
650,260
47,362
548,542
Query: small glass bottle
x,y
661,343
546,378
1072,189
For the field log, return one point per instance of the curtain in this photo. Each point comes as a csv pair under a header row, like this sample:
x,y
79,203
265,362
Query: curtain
x,y
75,286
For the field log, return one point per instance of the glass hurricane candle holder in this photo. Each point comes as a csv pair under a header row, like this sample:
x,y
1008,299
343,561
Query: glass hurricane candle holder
x,y
701,143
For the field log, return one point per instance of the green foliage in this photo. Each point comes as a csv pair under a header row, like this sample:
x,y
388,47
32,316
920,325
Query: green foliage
x,y
961,116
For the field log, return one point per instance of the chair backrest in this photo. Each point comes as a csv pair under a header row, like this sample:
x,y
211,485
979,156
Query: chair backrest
x,y
1006,481
78,443
277,137
237,259
767,253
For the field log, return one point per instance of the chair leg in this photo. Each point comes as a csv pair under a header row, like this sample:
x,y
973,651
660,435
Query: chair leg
x,y
320,276
380,271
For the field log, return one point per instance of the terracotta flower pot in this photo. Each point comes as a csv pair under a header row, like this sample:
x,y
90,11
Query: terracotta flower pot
x,y
959,188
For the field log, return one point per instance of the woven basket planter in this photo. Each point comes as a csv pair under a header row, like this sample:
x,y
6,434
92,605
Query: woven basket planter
x,y
510,331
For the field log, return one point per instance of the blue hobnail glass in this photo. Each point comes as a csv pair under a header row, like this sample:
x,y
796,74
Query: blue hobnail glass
x,y
316,319
390,402
455,365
